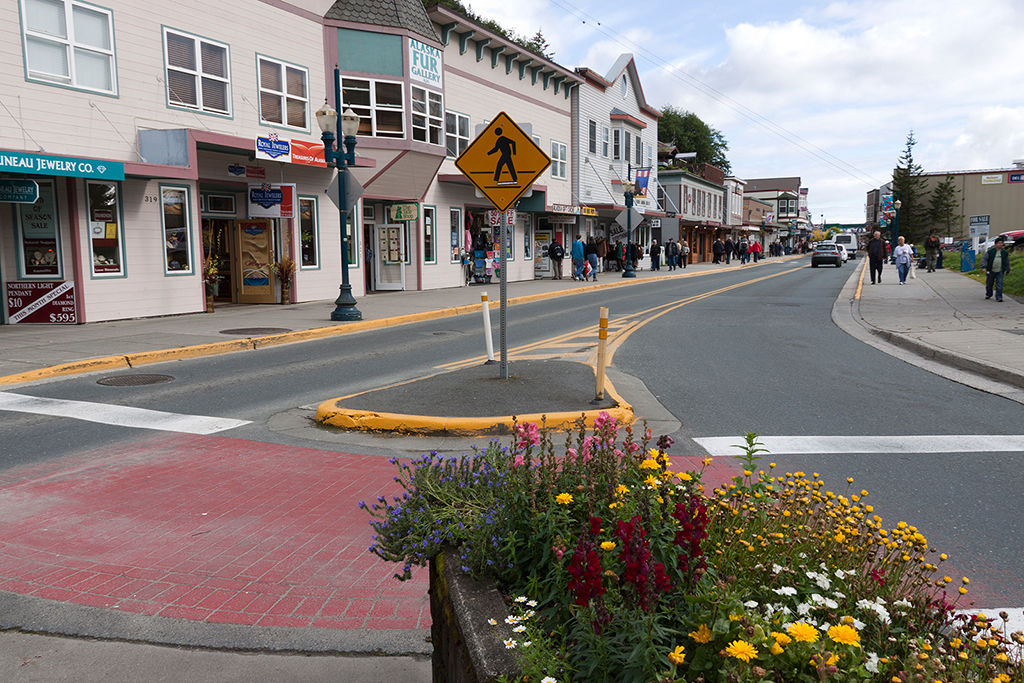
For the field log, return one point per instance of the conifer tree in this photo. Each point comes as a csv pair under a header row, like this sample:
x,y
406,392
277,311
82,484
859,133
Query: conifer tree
x,y
945,208
909,188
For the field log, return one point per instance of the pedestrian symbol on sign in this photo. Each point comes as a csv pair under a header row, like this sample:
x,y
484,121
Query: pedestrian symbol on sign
x,y
507,147
502,162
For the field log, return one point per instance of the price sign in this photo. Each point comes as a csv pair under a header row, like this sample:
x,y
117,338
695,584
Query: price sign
x,y
41,302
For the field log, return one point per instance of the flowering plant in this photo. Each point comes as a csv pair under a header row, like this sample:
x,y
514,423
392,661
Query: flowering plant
x,y
641,575
211,274
284,269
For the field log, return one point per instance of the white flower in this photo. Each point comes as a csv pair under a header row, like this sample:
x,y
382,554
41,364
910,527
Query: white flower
x,y
840,574
529,614
548,679
492,622
750,604
841,596
826,626
902,603
865,604
519,629
786,610
521,598
777,569
858,624
817,599
872,663
769,608
831,604
531,603
785,590
803,609
527,643
880,600
510,644
511,620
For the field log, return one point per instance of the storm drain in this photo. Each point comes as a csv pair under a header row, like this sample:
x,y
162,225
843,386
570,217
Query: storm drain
x,y
256,331
134,380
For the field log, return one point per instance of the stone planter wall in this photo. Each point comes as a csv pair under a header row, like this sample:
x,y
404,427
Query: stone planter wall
x,y
467,649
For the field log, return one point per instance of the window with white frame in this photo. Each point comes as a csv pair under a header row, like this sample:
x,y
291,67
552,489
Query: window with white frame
x,y
429,234
176,214
604,141
639,151
309,233
626,140
198,76
69,43
559,160
456,133
284,93
616,144
105,228
650,156
455,224
379,104
427,116
592,136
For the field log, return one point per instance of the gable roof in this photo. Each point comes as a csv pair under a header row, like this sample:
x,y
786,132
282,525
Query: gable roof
x,y
623,63
407,14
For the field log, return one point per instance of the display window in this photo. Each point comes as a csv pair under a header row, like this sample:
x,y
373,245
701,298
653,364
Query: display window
x,y
176,215
39,236
105,229
309,234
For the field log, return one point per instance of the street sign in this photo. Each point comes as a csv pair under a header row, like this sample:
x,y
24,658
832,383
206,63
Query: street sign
x,y
353,190
631,214
980,226
404,212
502,162
18,191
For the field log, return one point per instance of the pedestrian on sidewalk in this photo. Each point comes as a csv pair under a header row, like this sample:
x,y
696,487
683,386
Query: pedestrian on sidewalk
x,y
655,255
671,254
876,255
556,253
684,252
730,247
578,258
590,251
755,250
932,246
997,265
742,250
904,256
718,249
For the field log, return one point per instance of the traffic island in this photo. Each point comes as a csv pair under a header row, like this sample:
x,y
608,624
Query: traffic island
x,y
474,401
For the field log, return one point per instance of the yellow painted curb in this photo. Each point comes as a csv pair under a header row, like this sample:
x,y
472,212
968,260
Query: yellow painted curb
x,y
75,368
329,414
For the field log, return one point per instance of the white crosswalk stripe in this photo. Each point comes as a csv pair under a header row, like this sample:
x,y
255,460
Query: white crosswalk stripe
x,y
122,416
821,445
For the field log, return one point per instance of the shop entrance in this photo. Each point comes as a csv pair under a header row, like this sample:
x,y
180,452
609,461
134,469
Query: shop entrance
x,y
241,252
218,257
389,258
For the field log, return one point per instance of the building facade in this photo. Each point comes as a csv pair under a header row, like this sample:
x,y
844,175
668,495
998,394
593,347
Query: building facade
x,y
699,208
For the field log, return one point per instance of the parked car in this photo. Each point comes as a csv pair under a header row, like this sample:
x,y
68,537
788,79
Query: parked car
x,y
1014,239
826,252
844,253
849,241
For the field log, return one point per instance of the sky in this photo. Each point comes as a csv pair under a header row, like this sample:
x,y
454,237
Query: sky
x,y
827,91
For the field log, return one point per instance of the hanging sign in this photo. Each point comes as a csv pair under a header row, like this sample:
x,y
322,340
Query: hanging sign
x,y
41,302
274,148
404,212
18,191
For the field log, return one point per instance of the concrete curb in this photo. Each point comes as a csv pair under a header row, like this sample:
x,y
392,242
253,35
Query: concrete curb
x,y
329,414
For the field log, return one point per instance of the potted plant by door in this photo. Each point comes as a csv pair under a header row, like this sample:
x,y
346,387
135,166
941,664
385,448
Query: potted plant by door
x,y
211,281
285,271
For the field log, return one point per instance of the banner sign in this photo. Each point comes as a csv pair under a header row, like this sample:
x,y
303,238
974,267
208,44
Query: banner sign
x,y
643,176
1016,178
573,210
41,302
992,179
404,212
272,200
274,148
424,63
44,164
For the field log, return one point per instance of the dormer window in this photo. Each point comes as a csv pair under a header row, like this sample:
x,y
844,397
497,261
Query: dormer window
x,y
625,88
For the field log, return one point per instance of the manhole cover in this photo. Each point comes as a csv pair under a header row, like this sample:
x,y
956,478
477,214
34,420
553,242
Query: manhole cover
x,y
134,380
256,331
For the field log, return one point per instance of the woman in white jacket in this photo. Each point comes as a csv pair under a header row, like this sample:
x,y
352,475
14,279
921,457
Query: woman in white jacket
x,y
904,258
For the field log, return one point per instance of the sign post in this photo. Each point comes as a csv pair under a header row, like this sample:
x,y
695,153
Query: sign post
x,y
503,162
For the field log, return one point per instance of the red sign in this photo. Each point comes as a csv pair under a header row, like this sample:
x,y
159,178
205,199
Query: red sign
x,y
308,153
255,172
41,302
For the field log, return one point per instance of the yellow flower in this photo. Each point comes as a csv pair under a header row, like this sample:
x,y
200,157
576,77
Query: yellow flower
x,y
608,545
956,643
652,481
781,638
776,649
840,537
962,655
844,634
563,498
677,656
943,557
683,476
803,632
621,490
965,580
741,649
1001,657
702,635
649,464
963,591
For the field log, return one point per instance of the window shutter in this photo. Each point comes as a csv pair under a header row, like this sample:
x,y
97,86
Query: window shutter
x,y
297,113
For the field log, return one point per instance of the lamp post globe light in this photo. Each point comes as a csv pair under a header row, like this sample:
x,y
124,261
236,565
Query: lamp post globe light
x,y
628,189
327,118
896,222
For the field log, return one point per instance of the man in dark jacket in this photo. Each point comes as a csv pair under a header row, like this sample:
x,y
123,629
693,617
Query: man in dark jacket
x,y
655,255
876,255
671,254
717,249
997,265
729,248
556,253
932,247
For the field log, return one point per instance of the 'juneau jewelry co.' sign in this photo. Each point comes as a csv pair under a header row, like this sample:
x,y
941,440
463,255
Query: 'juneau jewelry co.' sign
x,y
44,164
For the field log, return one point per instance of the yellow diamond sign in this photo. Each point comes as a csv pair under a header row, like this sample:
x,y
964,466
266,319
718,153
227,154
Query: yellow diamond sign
x,y
503,161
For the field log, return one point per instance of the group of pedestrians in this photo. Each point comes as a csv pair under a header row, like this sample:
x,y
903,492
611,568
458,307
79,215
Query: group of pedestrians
x,y
744,250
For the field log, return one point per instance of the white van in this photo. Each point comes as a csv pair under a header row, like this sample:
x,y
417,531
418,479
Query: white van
x,y
848,240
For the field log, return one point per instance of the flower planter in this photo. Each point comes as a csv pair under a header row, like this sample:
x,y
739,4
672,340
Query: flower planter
x,y
467,649
209,302
286,293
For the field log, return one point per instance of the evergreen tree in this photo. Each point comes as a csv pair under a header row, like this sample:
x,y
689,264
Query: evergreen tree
x,y
945,207
909,188
538,44
687,132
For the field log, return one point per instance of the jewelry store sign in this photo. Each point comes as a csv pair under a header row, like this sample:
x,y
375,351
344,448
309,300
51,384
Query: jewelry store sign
x,y
44,164
41,302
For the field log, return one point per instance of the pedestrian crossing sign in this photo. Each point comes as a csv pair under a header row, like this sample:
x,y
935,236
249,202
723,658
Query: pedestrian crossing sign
x,y
503,162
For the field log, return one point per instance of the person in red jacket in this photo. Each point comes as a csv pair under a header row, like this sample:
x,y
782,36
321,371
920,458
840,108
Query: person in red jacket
x,y
755,249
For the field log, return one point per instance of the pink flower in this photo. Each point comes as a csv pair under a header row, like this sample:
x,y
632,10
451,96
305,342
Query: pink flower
x,y
519,461
633,447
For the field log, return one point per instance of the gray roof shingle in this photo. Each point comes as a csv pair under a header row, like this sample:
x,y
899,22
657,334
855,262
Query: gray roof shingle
x,y
407,14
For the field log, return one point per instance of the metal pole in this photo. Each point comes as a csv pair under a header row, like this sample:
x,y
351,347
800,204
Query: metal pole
x,y
345,305
602,343
628,270
487,329
503,373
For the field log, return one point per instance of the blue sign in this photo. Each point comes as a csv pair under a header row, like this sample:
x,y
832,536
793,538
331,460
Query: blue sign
x,y
44,164
17,191
236,169
273,147
1017,177
266,196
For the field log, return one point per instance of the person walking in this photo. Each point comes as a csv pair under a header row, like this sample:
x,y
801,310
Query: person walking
x,y
684,252
556,253
996,266
904,258
655,255
742,250
671,254
755,250
876,256
578,258
932,246
717,249
590,251
730,248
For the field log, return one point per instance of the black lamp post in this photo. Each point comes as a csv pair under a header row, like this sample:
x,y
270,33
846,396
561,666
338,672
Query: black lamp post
x,y
628,189
345,305
896,221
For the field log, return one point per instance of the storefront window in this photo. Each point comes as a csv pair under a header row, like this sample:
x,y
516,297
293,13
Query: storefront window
x,y
177,242
528,236
309,233
350,239
40,236
455,217
429,235
105,229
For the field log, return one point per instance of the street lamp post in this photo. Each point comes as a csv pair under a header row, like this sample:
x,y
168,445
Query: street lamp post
x,y
896,222
348,125
628,189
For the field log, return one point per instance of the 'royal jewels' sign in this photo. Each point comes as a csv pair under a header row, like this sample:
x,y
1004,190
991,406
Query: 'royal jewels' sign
x,y
272,200
274,148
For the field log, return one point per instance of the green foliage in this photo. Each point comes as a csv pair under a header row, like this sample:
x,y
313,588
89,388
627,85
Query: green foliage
x,y
537,44
687,132
944,211
909,188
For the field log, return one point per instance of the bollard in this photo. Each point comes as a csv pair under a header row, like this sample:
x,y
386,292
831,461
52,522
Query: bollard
x,y
487,329
602,342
